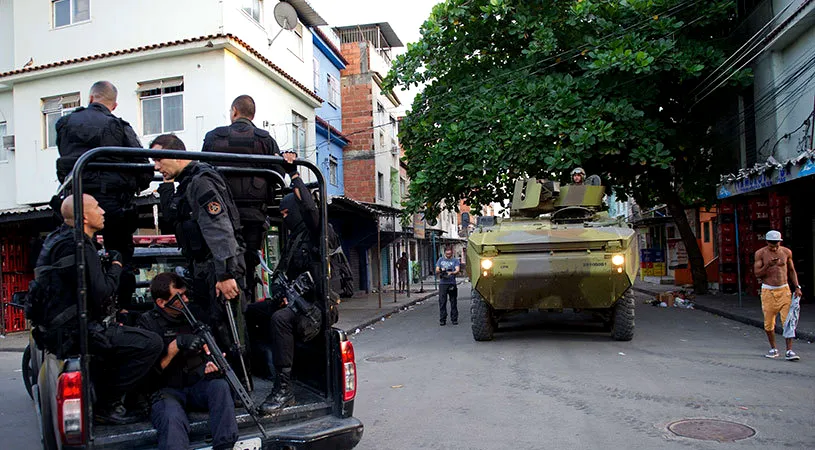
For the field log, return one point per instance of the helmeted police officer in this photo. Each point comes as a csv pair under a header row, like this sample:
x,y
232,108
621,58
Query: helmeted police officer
x,y
250,192
95,126
301,254
207,228
123,354
183,378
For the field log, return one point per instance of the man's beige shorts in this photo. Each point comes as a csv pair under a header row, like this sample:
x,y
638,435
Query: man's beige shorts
x,y
773,302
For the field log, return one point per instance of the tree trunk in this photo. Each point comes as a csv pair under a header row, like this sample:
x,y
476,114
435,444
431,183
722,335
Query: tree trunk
x,y
695,258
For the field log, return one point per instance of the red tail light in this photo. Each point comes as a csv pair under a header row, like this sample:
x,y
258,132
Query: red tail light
x,y
69,408
349,371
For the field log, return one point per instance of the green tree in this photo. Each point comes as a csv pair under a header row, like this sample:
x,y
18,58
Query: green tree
x,y
533,88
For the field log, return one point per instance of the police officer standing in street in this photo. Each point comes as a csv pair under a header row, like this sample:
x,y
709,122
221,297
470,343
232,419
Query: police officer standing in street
x,y
123,355
96,126
208,230
184,378
250,192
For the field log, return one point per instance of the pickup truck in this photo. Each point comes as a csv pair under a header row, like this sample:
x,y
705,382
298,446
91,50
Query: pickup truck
x,y
324,369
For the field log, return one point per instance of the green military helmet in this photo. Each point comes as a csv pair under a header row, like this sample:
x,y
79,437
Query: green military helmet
x,y
559,250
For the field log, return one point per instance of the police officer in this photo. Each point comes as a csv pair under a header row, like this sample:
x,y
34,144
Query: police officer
x,y
123,354
251,193
183,377
95,126
207,228
301,254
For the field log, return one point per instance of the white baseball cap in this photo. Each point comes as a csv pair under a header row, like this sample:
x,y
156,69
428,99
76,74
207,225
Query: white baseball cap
x,y
773,235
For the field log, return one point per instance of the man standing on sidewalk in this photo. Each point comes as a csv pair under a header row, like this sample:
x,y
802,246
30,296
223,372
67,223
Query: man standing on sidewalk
x,y
773,267
448,267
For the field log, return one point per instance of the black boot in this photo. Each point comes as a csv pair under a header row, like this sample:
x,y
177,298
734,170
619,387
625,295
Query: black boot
x,y
282,395
113,413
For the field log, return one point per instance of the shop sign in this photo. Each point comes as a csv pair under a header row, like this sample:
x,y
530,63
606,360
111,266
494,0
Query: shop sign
x,y
765,180
677,254
418,226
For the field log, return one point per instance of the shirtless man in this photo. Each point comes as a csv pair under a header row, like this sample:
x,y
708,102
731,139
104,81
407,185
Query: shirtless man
x,y
773,265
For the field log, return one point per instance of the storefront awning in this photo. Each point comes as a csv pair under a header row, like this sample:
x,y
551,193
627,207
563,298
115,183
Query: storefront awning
x,y
767,174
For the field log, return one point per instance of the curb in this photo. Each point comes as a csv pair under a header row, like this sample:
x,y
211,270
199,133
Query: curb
x,y
800,335
388,312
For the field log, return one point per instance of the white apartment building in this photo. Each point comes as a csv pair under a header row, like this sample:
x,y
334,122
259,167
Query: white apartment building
x,y
177,65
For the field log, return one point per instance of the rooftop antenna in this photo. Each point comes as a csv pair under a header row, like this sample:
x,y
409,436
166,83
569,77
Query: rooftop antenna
x,y
286,17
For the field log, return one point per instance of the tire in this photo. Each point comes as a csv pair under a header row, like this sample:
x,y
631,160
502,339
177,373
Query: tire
x,y
481,318
28,376
622,318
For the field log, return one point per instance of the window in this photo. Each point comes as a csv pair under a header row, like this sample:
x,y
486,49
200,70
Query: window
x,y
67,12
317,75
296,44
380,114
393,128
298,134
52,109
252,9
333,90
707,231
382,147
402,187
3,152
162,105
332,170
380,186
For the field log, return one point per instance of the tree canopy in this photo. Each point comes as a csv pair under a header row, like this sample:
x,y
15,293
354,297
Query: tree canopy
x,y
533,88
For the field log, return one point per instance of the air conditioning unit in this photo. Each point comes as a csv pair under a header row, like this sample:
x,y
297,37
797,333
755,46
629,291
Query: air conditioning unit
x,y
8,142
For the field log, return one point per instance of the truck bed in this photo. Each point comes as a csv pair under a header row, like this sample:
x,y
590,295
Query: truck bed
x,y
310,405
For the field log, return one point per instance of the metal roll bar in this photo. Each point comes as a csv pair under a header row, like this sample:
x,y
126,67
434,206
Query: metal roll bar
x,y
85,163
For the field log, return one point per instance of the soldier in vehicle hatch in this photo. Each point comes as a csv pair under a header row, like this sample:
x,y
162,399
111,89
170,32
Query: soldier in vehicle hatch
x,y
251,193
207,228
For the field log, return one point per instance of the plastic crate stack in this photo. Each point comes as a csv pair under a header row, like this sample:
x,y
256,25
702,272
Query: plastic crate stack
x,y
728,258
16,276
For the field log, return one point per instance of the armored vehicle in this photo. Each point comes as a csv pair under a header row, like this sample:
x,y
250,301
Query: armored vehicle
x,y
559,250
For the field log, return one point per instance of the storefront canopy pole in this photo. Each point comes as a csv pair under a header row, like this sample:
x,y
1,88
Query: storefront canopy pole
x,y
379,261
738,255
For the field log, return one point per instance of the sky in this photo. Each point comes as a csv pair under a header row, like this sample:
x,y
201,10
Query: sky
x,y
405,17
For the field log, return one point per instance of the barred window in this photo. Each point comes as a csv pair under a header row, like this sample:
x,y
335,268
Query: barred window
x,y
162,105
52,109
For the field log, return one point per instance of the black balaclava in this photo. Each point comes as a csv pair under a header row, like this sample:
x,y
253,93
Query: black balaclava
x,y
293,219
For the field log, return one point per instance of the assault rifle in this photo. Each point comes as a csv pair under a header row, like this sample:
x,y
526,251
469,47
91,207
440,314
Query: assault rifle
x,y
217,357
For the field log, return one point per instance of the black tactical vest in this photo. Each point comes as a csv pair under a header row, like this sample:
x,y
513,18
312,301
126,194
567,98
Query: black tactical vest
x,y
250,192
188,233
183,370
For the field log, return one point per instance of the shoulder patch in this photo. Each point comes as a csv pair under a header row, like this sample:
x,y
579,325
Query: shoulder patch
x,y
214,208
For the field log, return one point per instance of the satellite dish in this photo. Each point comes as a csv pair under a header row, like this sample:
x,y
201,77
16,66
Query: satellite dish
x,y
286,17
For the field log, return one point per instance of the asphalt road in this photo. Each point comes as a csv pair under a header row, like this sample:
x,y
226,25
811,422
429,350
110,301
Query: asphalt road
x,y
546,385
542,385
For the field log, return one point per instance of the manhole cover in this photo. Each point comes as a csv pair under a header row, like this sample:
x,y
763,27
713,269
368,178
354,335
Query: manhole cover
x,y
381,359
711,430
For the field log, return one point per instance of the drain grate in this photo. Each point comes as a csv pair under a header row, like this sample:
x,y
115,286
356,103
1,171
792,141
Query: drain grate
x,y
711,430
384,359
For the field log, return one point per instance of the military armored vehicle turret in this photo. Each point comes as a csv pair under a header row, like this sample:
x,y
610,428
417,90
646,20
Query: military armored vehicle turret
x,y
559,250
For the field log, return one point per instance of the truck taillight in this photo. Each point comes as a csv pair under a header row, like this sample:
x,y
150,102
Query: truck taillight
x,y
69,408
349,371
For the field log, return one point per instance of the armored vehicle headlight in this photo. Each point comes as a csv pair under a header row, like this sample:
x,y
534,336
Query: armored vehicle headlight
x,y
618,260
486,264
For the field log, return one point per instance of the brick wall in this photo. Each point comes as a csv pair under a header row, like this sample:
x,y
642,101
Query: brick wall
x,y
359,165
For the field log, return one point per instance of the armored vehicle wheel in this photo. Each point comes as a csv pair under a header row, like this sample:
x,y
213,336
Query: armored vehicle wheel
x,y
622,319
482,318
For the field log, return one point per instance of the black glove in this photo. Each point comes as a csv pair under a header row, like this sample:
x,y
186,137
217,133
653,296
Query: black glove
x,y
115,256
189,343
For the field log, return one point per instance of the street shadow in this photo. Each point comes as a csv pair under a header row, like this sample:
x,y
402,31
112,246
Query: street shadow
x,y
553,327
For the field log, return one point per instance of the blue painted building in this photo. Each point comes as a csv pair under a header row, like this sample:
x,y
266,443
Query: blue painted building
x,y
327,65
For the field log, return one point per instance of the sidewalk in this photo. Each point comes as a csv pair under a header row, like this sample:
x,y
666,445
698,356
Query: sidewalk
x,y
727,305
363,309
358,311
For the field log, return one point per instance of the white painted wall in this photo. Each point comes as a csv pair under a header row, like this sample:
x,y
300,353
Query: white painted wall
x,y
791,114
384,159
114,25
211,81
6,35
8,187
